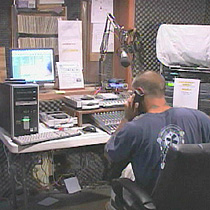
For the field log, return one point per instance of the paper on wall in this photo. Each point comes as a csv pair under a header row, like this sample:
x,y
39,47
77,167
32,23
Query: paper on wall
x,y
70,41
99,10
186,93
98,29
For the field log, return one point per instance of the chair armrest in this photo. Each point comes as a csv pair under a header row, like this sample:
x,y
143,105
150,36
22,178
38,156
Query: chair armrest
x,y
143,199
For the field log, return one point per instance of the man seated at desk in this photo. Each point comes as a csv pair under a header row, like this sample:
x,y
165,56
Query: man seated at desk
x,y
144,139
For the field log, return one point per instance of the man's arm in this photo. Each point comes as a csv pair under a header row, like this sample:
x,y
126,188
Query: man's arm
x,y
131,111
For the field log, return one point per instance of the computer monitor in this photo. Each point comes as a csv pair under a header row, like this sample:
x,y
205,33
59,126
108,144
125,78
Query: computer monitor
x,y
35,65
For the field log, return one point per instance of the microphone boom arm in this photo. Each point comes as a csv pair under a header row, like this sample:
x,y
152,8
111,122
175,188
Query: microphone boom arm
x,y
110,20
124,36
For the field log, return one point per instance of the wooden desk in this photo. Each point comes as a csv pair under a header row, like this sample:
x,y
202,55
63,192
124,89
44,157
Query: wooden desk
x,y
79,113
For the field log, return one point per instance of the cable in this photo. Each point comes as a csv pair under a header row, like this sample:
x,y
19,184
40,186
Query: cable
x,y
9,166
7,158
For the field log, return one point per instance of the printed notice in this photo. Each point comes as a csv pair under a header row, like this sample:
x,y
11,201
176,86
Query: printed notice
x,y
99,10
70,41
186,93
70,75
98,30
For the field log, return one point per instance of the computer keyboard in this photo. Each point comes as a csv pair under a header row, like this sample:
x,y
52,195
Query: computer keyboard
x,y
46,136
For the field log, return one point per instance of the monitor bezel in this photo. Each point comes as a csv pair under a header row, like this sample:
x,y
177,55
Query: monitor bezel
x,y
35,81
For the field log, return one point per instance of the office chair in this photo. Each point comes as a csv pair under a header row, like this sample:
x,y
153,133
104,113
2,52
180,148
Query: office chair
x,y
184,183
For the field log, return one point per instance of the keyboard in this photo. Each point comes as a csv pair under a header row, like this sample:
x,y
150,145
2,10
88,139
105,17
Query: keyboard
x,y
46,136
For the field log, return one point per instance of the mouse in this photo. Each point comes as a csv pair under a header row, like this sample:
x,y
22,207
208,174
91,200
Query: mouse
x,y
89,128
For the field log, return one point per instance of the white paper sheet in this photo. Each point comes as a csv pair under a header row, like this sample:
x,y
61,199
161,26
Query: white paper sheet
x,y
48,201
72,185
99,10
186,93
98,29
70,75
70,41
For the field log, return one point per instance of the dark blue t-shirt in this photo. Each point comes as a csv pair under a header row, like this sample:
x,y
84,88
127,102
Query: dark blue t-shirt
x,y
145,140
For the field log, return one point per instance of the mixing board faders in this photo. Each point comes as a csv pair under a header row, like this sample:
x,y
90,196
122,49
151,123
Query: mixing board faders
x,y
108,121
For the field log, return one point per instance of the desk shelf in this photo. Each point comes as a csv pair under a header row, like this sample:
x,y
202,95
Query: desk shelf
x,y
55,94
79,113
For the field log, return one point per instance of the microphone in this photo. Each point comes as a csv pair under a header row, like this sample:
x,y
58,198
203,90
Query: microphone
x,y
124,60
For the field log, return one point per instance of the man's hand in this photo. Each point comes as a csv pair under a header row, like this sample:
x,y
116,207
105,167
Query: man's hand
x,y
131,110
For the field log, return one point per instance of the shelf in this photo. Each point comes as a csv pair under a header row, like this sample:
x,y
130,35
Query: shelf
x,y
32,28
56,94
79,113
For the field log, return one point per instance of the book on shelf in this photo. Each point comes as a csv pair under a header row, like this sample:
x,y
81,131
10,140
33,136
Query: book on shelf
x,y
29,24
59,9
32,42
48,6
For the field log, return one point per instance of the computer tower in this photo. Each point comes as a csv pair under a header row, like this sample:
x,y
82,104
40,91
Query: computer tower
x,y
19,108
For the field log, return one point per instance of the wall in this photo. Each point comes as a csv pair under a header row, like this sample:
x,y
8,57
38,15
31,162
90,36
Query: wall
x,y
5,33
4,23
151,13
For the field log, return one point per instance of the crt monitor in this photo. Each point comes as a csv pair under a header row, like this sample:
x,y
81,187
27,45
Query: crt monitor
x,y
34,64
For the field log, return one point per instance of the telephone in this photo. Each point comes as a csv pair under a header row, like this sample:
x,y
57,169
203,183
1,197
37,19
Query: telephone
x,y
139,98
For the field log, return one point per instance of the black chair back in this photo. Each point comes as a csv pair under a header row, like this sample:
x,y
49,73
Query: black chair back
x,y
184,183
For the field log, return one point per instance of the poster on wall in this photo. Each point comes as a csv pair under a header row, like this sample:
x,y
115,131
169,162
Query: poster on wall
x,y
99,11
70,41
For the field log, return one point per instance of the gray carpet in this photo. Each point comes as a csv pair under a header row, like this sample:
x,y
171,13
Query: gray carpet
x,y
87,199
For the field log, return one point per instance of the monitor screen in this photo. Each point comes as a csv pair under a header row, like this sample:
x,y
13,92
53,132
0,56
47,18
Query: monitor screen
x,y
33,65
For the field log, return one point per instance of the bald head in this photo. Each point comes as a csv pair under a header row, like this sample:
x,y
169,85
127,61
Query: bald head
x,y
151,82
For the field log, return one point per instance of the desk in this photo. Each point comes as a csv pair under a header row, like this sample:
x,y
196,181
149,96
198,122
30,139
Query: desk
x,y
100,137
